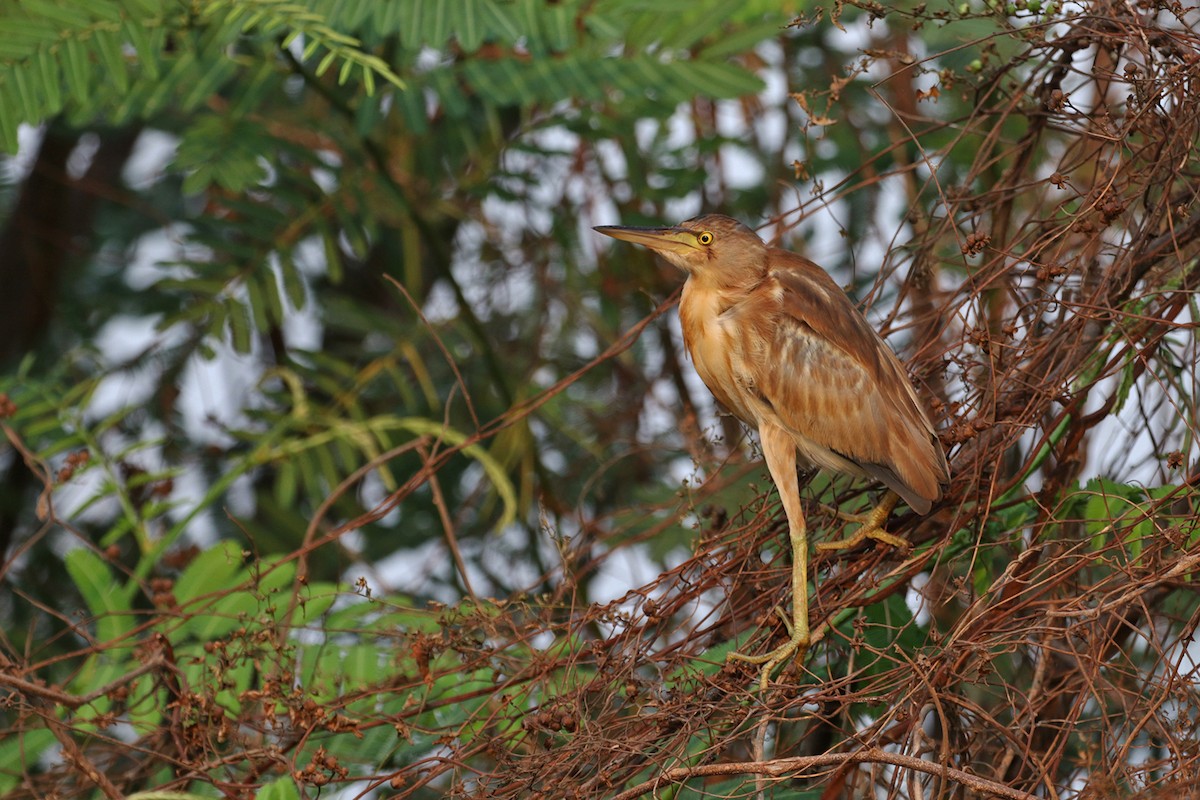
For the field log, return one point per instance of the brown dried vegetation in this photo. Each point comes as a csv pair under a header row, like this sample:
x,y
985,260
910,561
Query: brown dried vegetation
x,y
1047,292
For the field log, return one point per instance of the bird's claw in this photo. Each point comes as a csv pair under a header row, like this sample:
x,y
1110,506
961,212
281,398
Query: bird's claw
x,y
870,527
799,640
794,647
863,533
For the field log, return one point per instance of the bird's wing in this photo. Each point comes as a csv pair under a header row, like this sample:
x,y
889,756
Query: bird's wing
x,y
828,377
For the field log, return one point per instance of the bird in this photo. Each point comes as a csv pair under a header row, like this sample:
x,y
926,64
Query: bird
x,y
781,346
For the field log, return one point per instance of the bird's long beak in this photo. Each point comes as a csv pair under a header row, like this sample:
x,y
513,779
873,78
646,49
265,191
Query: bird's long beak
x,y
674,240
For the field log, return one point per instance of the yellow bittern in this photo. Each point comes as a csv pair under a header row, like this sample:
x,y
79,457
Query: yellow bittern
x,y
782,347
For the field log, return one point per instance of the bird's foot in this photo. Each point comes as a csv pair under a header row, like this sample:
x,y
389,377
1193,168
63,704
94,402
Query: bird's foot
x,y
870,527
859,536
795,647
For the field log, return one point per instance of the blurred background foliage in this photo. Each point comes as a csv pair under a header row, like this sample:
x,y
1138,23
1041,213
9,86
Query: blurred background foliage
x,y
340,450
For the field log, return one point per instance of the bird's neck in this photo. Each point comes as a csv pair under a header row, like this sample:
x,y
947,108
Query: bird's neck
x,y
726,282
705,300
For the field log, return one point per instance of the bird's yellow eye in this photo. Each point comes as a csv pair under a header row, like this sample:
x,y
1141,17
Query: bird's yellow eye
x,y
705,238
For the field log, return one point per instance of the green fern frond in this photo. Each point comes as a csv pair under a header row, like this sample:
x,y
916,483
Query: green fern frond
x,y
294,21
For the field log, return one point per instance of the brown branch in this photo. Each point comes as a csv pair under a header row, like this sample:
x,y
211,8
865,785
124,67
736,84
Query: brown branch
x,y
57,696
797,767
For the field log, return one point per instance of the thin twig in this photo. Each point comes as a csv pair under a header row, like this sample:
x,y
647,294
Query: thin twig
x,y
792,768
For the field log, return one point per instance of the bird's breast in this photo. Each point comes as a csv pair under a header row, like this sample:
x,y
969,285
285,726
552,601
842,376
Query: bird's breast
x,y
716,349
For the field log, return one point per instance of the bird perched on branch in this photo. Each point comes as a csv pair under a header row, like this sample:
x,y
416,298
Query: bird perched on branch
x,y
782,347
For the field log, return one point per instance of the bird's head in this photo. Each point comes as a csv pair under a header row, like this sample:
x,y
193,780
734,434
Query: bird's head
x,y
712,247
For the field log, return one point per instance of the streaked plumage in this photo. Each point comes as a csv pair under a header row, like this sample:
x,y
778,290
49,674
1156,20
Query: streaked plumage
x,y
781,346
823,374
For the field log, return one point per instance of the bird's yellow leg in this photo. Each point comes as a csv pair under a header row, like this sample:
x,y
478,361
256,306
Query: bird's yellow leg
x,y
780,454
870,527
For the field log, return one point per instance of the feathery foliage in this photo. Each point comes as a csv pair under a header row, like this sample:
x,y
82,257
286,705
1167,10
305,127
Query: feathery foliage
x,y
339,456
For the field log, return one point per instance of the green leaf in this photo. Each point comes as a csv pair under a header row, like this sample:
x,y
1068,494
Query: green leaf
x,y
470,25
68,16
182,65
106,598
684,31
148,8
287,483
27,93
437,29
510,81
257,293
1107,501
559,25
109,46
106,10
209,572
147,53
160,794
1125,385
212,622
215,74
279,789
314,603
294,285
741,41
9,123
22,746
240,328
709,663
500,23
48,77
